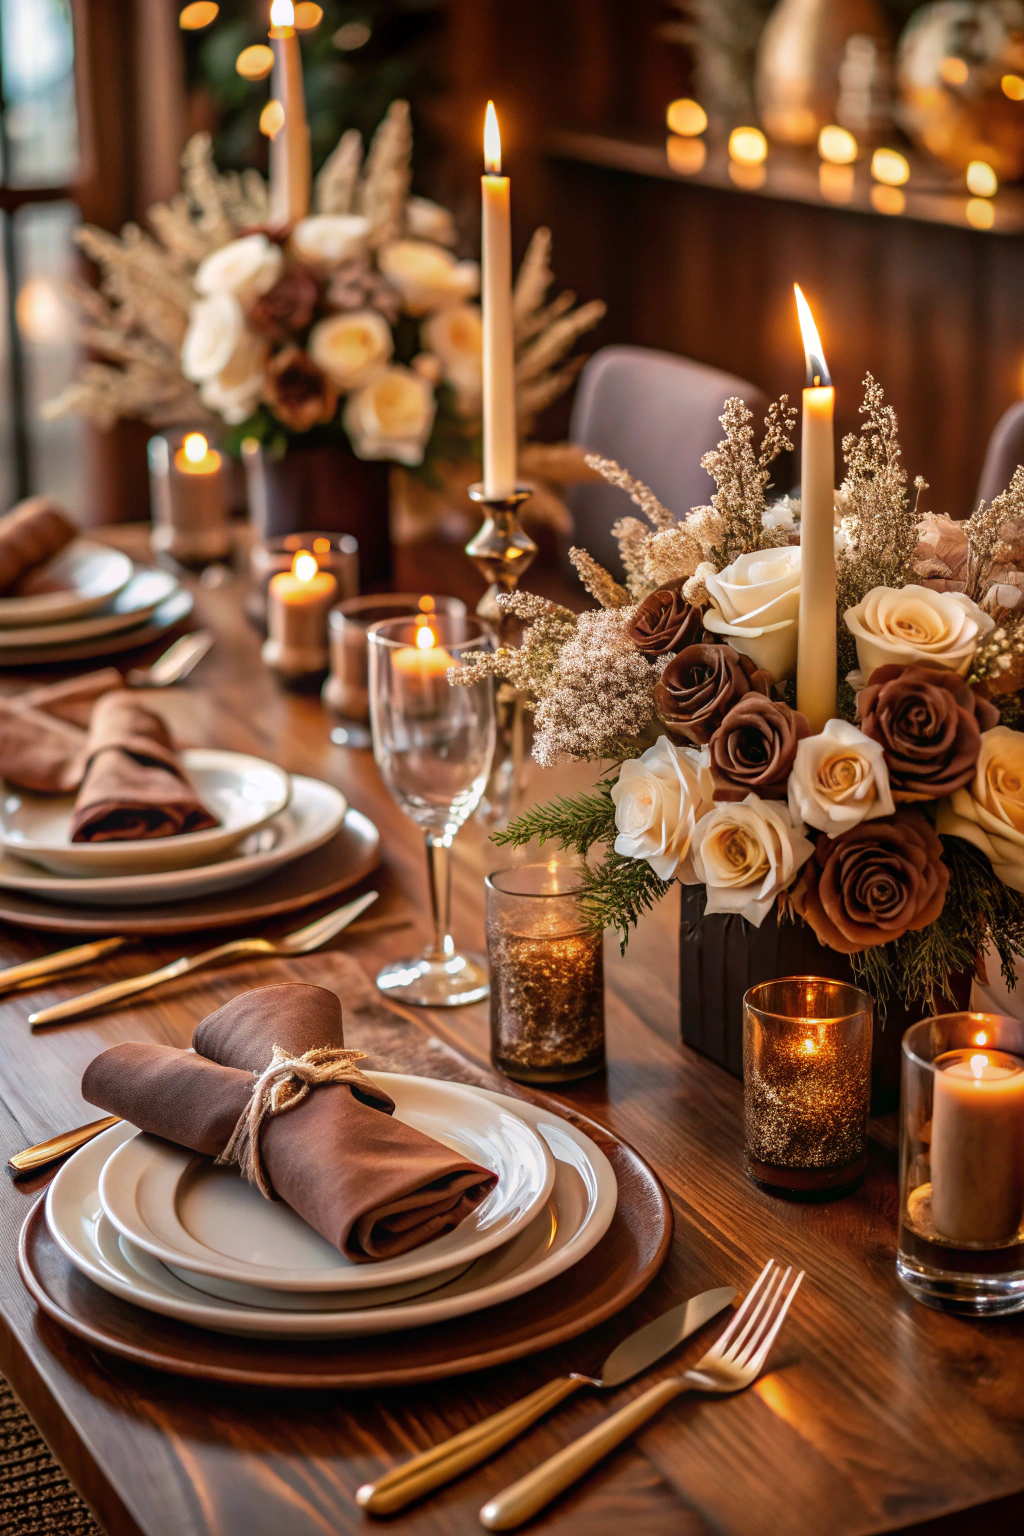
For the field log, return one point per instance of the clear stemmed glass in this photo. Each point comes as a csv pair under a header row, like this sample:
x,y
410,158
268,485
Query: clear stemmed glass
x,y
433,744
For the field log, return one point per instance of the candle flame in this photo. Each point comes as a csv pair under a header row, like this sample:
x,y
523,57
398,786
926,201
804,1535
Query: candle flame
x,y
817,370
282,14
981,1038
195,447
304,566
978,1065
492,142
425,637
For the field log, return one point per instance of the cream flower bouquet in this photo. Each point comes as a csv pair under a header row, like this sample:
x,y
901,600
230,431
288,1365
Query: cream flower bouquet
x,y
896,833
359,324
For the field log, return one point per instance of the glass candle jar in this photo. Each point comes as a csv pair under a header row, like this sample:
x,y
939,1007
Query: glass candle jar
x,y
337,553
806,1085
961,1243
547,976
188,487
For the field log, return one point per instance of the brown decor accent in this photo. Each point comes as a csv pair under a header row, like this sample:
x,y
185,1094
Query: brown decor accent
x,y
929,723
700,686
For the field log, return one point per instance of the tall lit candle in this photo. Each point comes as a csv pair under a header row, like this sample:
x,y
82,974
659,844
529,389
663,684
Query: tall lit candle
x,y
290,165
977,1146
499,348
816,643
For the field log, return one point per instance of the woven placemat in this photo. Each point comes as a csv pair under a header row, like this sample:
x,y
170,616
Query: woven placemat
x,y
36,1498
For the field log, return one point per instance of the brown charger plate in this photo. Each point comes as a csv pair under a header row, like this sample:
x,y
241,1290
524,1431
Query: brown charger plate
x,y
611,1276
351,854
174,610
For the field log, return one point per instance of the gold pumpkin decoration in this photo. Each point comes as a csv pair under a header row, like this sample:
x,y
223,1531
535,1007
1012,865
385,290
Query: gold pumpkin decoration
x,y
960,72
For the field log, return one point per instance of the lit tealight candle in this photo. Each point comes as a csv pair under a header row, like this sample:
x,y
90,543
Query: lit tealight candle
x,y
837,145
290,164
748,146
196,457
424,662
977,1146
981,179
297,606
816,638
890,167
686,118
189,498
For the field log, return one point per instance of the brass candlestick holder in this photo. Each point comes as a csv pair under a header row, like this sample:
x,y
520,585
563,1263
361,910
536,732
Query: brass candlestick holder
x,y
502,552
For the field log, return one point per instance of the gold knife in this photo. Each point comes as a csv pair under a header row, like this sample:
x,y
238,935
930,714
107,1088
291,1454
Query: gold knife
x,y
54,965
59,1146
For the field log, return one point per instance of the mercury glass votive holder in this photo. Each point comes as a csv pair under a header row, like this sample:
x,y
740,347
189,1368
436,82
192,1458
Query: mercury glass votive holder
x,y
806,1085
961,1242
547,975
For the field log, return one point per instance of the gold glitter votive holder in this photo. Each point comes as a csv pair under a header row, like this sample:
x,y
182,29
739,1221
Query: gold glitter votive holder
x,y
806,1085
547,976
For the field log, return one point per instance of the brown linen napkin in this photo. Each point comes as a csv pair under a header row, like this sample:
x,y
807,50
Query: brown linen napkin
x,y
370,1185
32,532
42,744
134,785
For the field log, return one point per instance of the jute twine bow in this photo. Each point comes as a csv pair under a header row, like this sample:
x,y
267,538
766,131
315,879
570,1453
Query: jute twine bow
x,y
282,1085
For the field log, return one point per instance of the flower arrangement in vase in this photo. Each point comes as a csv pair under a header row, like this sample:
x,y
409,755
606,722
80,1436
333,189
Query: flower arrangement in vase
x,y
890,842
356,325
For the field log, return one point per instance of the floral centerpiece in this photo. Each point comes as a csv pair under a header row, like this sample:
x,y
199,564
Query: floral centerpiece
x,y
895,834
358,325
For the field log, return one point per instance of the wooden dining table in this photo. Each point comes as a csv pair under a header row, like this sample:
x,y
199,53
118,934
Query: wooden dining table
x,y
878,1414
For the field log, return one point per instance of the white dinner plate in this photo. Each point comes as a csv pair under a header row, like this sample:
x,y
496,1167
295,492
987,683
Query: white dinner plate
x,y
577,1215
135,602
314,815
187,1211
81,577
243,792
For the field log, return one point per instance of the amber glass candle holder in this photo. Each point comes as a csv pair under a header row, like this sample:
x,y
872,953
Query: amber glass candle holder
x,y
547,976
806,1085
961,1243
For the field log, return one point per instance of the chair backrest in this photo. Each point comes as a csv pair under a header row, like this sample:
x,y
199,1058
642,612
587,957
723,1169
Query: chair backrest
x,y
657,414
1005,451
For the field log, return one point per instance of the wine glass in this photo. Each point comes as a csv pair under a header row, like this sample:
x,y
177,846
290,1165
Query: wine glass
x,y
433,744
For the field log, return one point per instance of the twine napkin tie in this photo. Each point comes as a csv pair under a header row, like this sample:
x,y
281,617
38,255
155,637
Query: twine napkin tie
x,y
282,1085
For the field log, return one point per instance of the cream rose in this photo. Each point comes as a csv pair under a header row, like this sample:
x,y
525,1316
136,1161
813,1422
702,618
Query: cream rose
x,y
756,605
245,267
324,240
659,798
392,417
745,854
989,812
838,779
455,337
215,327
425,220
914,626
235,392
426,275
352,348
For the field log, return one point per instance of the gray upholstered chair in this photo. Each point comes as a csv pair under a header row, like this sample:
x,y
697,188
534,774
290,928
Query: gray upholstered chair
x,y
657,414
1005,451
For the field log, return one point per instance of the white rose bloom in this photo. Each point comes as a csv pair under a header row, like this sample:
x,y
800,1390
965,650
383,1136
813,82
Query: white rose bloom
x,y
426,275
914,626
392,417
756,607
352,348
455,336
839,779
215,327
745,854
235,392
324,240
659,798
989,812
425,220
245,267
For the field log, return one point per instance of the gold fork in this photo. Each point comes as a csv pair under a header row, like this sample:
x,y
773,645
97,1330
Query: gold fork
x,y
732,1363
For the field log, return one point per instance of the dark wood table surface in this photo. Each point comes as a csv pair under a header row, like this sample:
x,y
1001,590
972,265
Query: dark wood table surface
x,y
879,1415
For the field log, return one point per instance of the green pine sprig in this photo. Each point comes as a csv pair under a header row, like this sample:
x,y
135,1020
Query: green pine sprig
x,y
574,822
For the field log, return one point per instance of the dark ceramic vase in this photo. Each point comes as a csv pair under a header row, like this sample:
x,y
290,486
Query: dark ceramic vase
x,y
720,957
323,488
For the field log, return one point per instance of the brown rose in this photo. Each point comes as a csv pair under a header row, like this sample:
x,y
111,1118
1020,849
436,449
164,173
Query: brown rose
x,y
699,687
299,395
665,623
873,884
753,749
288,307
358,285
929,723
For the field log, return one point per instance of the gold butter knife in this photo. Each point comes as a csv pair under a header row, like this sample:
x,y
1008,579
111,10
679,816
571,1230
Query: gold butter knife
x,y
54,965
59,1146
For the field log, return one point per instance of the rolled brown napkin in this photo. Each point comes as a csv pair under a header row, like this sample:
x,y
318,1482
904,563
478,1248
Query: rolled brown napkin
x,y
42,745
34,531
370,1185
134,785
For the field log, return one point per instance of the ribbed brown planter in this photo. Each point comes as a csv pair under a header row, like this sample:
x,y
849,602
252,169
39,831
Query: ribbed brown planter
x,y
323,488
720,957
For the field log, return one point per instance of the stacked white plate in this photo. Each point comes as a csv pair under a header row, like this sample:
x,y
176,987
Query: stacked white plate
x,y
176,1235
268,818
89,600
